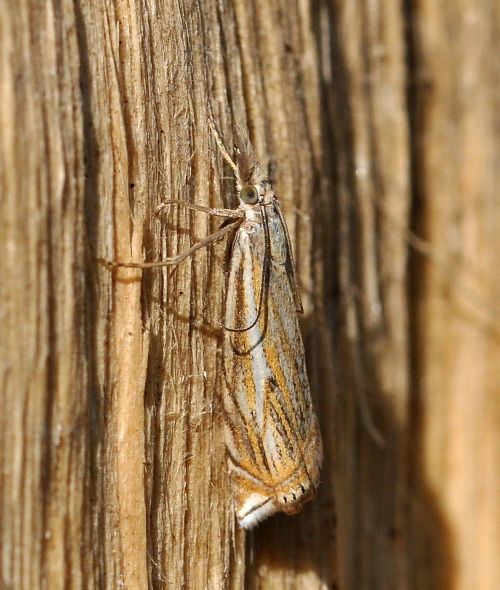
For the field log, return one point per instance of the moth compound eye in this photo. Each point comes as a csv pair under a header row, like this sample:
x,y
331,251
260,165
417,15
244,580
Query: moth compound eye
x,y
249,195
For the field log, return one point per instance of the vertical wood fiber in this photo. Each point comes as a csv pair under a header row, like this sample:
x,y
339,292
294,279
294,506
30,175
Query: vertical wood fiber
x,y
455,501
366,141
45,441
380,118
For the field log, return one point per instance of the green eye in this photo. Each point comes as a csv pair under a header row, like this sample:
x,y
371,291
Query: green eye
x,y
249,195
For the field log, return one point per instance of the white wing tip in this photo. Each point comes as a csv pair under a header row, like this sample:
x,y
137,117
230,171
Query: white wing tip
x,y
255,509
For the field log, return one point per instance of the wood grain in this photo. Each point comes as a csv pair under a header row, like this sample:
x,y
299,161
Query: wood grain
x,y
382,124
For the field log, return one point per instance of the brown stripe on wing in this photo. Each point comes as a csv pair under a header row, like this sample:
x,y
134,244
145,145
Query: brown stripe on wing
x,y
293,351
246,437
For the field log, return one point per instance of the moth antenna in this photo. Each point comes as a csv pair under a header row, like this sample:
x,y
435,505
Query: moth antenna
x,y
294,283
271,170
223,150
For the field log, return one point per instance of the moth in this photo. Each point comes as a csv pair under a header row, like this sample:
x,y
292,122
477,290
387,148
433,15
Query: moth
x,y
272,437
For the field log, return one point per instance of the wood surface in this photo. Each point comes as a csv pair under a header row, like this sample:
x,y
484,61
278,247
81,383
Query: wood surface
x,y
381,120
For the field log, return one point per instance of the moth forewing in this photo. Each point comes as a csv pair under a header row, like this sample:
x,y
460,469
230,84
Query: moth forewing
x,y
272,435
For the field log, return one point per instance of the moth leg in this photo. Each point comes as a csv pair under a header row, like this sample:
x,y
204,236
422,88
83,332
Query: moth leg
x,y
210,210
219,234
